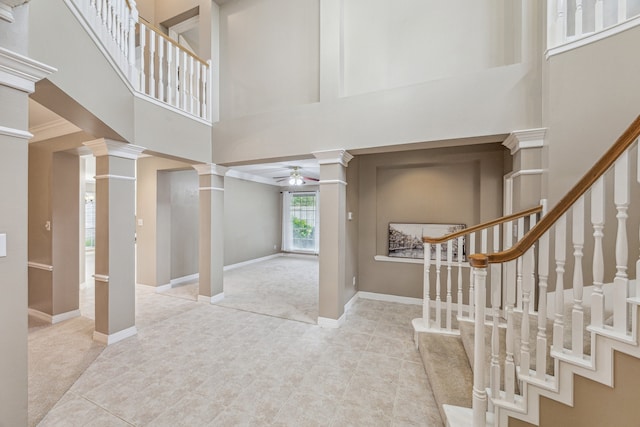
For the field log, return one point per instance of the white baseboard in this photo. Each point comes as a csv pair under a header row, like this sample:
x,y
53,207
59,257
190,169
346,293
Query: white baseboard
x,y
161,288
251,261
325,322
350,303
184,279
114,338
57,318
211,300
389,298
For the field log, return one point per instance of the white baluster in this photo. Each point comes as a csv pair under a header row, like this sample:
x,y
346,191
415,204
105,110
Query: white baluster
x,y
578,17
152,63
621,200
597,220
520,233
183,80
496,291
170,92
479,401
577,313
561,21
191,78
143,73
599,6
460,258
527,286
133,20
198,86
426,285
533,219
622,10
178,86
449,296
472,282
438,283
205,90
161,44
509,365
560,246
543,274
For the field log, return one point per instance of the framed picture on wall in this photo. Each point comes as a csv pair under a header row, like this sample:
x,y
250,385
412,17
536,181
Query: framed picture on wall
x,y
405,240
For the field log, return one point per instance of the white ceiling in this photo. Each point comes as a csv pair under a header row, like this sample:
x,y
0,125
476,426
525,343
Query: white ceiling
x,y
278,172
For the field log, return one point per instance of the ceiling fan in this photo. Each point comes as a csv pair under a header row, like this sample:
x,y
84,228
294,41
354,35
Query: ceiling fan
x,y
295,177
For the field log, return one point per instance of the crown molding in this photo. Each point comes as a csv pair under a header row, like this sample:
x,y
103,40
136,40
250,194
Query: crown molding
x,y
210,169
104,147
6,13
19,72
522,139
329,157
232,173
53,129
15,133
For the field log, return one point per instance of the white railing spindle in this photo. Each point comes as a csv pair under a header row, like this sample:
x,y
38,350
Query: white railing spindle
x,y
578,17
426,280
541,338
527,285
438,283
161,44
597,220
599,15
472,282
479,400
170,92
622,10
460,257
449,284
621,200
152,64
577,314
560,248
143,73
520,233
496,300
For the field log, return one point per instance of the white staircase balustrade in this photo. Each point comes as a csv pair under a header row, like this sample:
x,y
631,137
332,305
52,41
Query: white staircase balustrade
x,y
575,320
158,66
450,251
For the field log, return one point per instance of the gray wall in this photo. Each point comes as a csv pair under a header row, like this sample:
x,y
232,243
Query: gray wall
x,y
351,230
184,222
14,35
449,185
253,220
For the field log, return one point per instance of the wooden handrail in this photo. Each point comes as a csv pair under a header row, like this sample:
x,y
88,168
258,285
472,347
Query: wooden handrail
x,y
173,42
534,234
497,221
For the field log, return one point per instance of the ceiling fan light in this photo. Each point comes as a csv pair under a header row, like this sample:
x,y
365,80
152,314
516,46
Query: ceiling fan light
x,y
292,180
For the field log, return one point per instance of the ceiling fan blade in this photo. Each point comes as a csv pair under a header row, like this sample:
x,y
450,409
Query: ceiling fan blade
x,y
309,178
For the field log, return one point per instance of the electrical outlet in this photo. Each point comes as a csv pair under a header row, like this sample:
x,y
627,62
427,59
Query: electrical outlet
x,y
354,281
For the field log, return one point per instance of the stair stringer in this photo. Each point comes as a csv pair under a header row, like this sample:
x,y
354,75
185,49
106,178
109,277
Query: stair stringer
x,y
597,368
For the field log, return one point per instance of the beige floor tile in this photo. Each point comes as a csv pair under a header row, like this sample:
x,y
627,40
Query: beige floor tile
x,y
75,411
190,410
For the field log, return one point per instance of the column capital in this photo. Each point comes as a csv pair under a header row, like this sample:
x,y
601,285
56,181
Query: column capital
x,y
105,147
328,157
210,169
19,72
520,139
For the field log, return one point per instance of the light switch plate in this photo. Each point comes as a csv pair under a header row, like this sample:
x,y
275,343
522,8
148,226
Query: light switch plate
x,y
3,245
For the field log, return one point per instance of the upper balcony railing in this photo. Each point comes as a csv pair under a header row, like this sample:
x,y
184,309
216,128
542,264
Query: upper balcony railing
x,y
152,63
571,21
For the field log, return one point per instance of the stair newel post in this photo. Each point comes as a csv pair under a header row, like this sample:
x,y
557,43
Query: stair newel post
x,y
527,285
597,220
472,285
161,44
621,200
599,7
577,313
496,291
479,264
509,365
426,285
541,338
460,257
520,233
560,248
438,283
143,72
449,284
578,22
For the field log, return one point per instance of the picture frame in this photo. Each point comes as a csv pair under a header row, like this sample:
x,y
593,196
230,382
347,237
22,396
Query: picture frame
x,y
405,240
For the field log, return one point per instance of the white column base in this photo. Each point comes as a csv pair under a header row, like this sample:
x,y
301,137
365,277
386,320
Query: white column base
x,y
325,322
57,318
114,338
211,300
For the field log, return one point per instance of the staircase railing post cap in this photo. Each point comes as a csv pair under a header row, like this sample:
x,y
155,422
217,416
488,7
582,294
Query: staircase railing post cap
x,y
479,260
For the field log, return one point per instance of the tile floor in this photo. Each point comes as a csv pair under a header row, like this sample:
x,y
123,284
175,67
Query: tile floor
x,y
195,364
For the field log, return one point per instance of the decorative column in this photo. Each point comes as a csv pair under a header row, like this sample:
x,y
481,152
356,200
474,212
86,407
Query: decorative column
x,y
333,216
18,75
524,185
115,239
211,250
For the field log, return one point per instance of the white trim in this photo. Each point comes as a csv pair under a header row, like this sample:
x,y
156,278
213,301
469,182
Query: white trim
x,y
389,298
143,96
57,318
211,189
350,303
384,258
105,147
114,338
101,278
110,176
20,72
332,181
211,300
6,13
523,139
53,129
526,172
594,37
184,279
40,266
15,133
325,322
233,173
161,288
210,169
251,261
330,157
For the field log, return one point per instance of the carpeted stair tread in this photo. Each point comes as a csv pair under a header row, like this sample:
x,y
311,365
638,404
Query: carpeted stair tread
x,y
447,368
